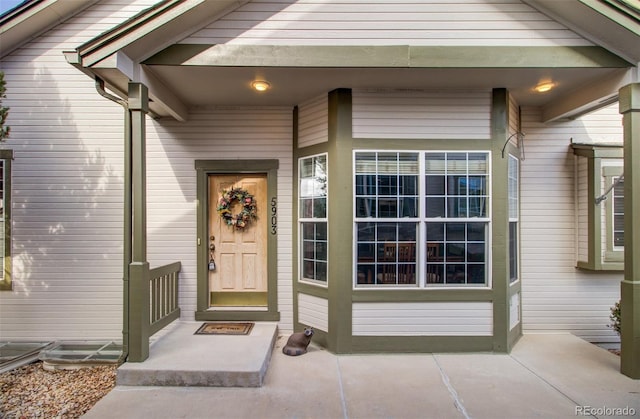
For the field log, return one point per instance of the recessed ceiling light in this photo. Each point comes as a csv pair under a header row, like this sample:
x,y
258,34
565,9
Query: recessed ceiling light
x,y
260,85
544,86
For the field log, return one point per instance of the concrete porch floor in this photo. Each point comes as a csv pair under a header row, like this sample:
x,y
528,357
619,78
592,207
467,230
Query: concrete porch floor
x,y
545,376
179,357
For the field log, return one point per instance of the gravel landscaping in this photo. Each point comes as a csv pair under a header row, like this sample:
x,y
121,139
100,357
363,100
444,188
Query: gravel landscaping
x,y
32,392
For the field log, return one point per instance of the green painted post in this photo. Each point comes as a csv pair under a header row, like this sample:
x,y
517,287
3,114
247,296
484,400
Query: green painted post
x,y
139,323
340,220
630,286
500,224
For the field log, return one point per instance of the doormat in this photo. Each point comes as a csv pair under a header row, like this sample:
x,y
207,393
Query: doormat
x,y
224,329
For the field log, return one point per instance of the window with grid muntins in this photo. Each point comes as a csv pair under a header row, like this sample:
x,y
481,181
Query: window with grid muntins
x,y
421,218
513,217
313,217
618,213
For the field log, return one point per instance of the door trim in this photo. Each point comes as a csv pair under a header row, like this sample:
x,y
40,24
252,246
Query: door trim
x,y
204,168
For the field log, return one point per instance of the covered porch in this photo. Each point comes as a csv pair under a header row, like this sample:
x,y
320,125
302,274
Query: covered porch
x,y
156,77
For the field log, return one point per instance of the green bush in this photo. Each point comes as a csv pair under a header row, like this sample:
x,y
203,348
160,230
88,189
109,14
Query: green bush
x,y
615,318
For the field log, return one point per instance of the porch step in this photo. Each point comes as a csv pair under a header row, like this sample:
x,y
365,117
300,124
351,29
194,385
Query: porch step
x,y
181,358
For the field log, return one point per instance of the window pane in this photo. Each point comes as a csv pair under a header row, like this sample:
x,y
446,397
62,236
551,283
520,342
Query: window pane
x,y
477,207
365,185
366,231
464,186
478,163
435,231
408,208
320,208
456,274
435,163
435,185
456,162
459,250
476,274
618,213
455,231
365,207
387,232
408,185
389,257
513,251
455,252
475,252
435,207
408,163
306,208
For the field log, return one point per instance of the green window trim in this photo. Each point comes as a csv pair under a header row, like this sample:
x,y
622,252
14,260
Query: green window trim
x,y
603,164
6,157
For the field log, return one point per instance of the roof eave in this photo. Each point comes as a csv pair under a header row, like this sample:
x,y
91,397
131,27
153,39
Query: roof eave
x,y
34,18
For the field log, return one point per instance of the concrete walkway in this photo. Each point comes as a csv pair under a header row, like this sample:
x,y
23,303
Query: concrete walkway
x,y
545,376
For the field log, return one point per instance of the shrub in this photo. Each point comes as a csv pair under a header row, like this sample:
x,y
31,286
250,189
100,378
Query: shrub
x,y
615,318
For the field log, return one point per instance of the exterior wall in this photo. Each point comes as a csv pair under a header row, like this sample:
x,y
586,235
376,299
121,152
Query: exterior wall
x,y
321,22
557,297
313,121
67,183
423,319
421,114
216,134
313,311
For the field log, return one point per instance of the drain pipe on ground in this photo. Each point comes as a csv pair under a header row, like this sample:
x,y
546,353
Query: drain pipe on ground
x,y
128,214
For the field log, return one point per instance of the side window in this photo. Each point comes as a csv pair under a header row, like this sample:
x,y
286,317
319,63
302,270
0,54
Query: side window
x,y
599,207
513,218
614,218
312,217
6,156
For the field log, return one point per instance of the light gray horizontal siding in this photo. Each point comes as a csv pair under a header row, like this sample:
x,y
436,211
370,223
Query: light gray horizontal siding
x,y
216,134
557,297
313,311
423,319
421,114
313,121
386,22
67,188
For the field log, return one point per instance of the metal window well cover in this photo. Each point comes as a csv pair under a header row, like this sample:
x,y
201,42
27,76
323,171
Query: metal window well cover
x,y
74,355
17,354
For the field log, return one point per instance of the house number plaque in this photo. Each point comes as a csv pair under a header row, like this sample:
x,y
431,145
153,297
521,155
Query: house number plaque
x,y
274,215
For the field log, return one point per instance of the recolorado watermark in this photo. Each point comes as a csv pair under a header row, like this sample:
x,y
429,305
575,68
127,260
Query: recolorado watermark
x,y
604,411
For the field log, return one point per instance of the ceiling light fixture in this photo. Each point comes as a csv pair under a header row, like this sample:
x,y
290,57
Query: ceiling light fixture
x,y
544,86
260,85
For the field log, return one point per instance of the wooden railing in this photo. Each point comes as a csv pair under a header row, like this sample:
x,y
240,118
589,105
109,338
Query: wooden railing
x,y
163,293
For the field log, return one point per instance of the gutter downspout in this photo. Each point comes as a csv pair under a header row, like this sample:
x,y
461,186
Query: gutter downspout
x,y
128,214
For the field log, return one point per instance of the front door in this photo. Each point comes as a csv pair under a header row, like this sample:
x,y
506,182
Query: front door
x,y
239,280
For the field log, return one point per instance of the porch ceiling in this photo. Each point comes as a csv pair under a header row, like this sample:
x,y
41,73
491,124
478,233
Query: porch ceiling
x,y
204,85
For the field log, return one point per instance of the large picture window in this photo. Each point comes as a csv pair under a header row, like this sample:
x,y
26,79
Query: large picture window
x,y
421,218
313,217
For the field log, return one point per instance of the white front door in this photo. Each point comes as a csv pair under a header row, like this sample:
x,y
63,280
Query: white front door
x,y
240,254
